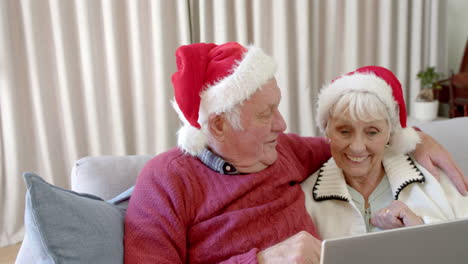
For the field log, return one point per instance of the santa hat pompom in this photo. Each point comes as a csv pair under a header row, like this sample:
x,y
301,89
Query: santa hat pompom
x,y
191,140
404,140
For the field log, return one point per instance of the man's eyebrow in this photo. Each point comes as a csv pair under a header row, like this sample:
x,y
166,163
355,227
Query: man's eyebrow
x,y
268,108
265,110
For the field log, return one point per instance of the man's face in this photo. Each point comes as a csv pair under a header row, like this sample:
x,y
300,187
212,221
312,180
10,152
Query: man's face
x,y
254,147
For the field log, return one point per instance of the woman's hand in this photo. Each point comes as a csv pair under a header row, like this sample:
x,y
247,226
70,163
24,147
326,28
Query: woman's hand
x,y
301,248
397,214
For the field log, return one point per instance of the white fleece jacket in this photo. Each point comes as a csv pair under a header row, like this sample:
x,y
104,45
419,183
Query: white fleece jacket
x,y
330,205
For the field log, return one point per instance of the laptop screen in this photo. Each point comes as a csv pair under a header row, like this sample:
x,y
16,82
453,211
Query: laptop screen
x,y
439,243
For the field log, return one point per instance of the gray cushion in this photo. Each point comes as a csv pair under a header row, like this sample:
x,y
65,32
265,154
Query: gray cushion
x,y
63,226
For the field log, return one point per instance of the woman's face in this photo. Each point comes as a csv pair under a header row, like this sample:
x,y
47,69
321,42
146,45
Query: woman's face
x,y
358,147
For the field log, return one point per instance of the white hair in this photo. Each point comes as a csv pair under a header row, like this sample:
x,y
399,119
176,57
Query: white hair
x,y
233,116
361,106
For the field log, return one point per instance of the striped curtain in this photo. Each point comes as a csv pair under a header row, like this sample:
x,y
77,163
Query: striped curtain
x,y
92,77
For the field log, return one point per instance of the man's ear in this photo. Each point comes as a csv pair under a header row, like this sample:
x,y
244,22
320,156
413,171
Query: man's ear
x,y
216,126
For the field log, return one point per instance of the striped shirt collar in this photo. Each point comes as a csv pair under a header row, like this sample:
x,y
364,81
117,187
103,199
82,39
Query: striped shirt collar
x,y
216,163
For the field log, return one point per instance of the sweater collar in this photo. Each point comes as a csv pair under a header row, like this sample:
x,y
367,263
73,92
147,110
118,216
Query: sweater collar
x,y
400,170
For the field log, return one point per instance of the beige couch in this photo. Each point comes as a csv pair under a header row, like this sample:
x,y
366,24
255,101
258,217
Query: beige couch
x,y
73,227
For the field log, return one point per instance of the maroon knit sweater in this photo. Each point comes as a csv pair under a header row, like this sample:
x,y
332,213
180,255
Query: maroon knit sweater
x,y
183,212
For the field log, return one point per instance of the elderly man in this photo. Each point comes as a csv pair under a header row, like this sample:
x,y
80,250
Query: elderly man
x,y
229,193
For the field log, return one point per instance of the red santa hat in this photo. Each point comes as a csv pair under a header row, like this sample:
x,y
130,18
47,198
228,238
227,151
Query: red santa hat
x,y
384,85
214,78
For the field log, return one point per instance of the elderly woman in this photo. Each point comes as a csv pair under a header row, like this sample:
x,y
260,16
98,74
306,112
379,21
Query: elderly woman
x,y
371,183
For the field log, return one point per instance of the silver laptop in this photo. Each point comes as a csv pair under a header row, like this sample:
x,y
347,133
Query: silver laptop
x,y
438,243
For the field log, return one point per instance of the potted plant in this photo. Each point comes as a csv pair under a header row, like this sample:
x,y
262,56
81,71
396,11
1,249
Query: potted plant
x,y
427,105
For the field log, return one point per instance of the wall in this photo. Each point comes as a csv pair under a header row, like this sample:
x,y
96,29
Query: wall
x,y
457,26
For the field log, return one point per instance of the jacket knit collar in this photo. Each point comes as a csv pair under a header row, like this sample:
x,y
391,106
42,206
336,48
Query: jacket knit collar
x,y
400,171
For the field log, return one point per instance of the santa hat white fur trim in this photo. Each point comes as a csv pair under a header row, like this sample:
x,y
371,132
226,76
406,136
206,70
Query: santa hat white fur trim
x,y
253,71
402,140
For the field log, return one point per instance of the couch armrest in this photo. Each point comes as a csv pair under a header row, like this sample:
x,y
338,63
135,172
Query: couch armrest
x,y
106,176
453,135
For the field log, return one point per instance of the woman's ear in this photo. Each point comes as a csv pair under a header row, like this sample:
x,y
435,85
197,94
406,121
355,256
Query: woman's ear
x,y
216,126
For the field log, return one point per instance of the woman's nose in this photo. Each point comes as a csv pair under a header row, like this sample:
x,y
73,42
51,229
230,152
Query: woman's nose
x,y
358,144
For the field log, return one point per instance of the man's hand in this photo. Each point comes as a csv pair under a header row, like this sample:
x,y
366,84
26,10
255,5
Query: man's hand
x,y
397,214
301,248
434,156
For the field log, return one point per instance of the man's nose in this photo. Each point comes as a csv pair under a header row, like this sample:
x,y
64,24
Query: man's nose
x,y
278,125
